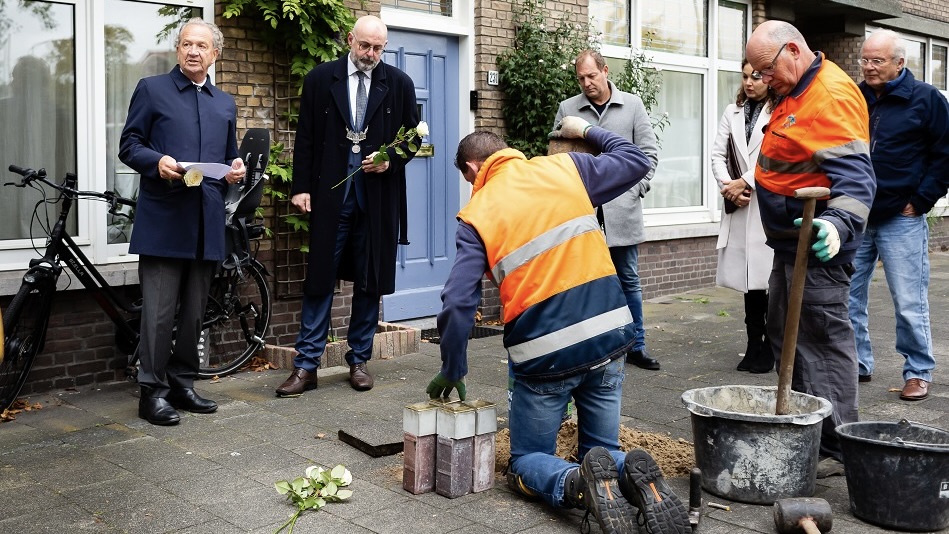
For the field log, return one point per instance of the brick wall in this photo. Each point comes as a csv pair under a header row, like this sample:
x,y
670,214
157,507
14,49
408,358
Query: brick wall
x,y
936,10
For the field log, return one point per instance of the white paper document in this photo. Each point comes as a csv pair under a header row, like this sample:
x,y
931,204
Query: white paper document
x,y
210,170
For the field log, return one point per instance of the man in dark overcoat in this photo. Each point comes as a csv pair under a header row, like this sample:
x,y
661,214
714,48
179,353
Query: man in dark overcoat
x,y
350,107
179,230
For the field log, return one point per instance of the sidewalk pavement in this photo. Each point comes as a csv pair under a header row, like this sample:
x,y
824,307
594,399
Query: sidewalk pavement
x,y
87,463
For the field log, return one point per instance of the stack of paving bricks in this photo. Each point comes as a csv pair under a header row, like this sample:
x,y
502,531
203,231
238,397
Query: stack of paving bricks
x,y
449,447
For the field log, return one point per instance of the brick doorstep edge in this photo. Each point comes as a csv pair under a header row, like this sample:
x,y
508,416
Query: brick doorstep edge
x,y
391,340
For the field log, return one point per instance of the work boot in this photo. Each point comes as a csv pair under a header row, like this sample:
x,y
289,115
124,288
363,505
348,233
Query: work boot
x,y
155,408
643,486
516,483
601,494
573,489
829,467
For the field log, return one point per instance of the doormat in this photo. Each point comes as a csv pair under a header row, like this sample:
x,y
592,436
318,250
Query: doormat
x,y
478,332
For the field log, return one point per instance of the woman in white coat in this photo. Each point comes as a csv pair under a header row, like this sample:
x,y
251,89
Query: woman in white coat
x,y
744,260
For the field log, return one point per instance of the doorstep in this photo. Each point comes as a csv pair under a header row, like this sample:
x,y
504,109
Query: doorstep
x,y
391,340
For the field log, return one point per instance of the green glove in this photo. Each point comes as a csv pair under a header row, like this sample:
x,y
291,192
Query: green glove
x,y
441,387
828,239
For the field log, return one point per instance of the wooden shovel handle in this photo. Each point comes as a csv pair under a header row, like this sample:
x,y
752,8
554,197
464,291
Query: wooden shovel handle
x,y
796,296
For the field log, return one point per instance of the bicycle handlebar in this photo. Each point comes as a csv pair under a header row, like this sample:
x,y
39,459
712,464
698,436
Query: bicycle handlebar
x,y
29,175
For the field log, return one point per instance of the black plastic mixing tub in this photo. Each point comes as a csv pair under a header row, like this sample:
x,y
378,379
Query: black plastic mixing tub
x,y
897,474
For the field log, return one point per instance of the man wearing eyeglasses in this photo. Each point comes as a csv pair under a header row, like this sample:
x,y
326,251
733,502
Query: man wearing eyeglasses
x,y
818,135
349,108
909,147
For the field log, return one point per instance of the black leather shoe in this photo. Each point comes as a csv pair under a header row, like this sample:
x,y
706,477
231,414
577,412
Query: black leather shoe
x,y
155,408
642,359
186,399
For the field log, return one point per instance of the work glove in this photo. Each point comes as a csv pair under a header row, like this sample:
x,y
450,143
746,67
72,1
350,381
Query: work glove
x,y
571,127
441,387
828,239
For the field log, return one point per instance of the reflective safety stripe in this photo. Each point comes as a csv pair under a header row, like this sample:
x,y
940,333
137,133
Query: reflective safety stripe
x,y
542,243
787,167
571,335
851,205
857,146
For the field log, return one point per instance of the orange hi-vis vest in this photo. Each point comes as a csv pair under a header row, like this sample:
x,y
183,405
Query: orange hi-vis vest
x,y
811,127
563,306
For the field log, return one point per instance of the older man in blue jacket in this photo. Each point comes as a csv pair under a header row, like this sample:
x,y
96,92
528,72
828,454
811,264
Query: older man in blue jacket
x,y
179,230
909,149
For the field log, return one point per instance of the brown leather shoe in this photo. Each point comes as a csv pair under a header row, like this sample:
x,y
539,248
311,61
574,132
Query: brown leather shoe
x,y
915,389
300,380
359,377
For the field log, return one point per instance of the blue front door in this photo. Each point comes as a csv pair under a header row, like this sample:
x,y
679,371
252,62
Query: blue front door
x,y
423,265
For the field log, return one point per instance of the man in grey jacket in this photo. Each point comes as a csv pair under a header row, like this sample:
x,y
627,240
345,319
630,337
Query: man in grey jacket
x,y
602,104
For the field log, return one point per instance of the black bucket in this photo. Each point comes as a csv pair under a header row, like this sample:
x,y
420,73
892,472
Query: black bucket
x,y
897,474
749,454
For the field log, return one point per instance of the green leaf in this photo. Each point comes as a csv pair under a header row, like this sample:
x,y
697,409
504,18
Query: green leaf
x,y
400,152
282,486
329,489
413,148
344,494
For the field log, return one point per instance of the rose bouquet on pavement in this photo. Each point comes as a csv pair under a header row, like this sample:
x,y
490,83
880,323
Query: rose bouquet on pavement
x,y
402,136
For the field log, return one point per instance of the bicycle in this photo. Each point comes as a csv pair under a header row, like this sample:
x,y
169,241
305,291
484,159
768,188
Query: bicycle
x,y
238,310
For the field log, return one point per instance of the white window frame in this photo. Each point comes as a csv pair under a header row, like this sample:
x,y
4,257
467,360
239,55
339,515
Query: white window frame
x,y
91,154
691,221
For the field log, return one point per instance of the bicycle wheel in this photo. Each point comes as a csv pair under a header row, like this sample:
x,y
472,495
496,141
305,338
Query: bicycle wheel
x,y
24,326
235,321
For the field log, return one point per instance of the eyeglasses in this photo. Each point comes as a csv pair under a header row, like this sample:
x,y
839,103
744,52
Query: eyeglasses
x,y
755,75
365,47
876,62
770,70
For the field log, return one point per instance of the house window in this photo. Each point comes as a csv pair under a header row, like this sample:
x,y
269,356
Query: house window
x,y
677,26
67,72
732,30
436,7
139,42
37,109
612,18
939,67
698,46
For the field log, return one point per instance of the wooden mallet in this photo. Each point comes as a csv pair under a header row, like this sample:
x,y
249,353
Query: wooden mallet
x,y
802,514
796,296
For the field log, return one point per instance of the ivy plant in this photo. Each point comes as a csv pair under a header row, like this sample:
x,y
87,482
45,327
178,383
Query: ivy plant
x,y
644,81
537,73
312,491
311,31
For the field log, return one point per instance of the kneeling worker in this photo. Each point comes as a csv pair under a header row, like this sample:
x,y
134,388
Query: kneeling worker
x,y
531,226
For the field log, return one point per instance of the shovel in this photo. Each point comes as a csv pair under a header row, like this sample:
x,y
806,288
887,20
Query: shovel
x,y
796,295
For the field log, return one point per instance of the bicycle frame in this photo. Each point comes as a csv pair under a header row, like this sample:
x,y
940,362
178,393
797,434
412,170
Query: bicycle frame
x,y
60,250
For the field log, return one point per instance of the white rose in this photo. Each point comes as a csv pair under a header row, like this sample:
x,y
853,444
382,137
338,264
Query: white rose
x,y
422,129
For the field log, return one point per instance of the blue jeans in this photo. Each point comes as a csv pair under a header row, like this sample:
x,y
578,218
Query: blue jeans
x,y
535,416
317,310
903,245
626,262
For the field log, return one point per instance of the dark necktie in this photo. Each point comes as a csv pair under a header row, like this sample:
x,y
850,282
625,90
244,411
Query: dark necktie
x,y
361,100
